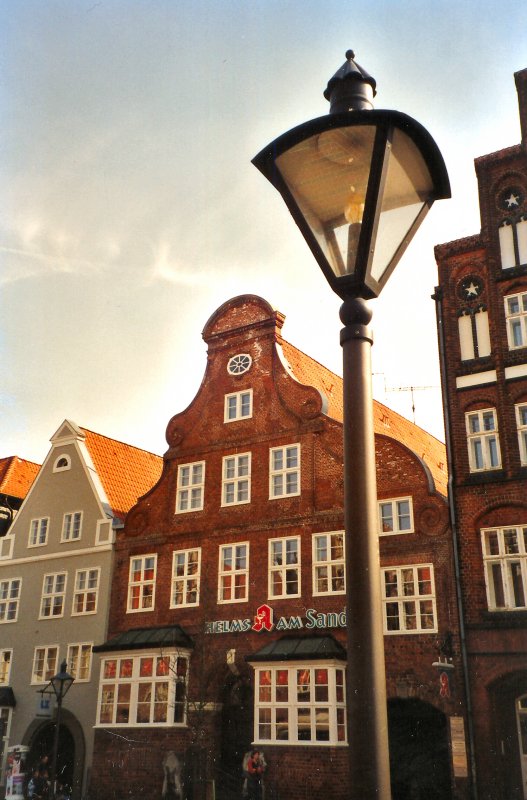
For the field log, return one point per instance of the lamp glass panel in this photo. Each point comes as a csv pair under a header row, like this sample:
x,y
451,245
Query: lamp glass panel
x,y
407,189
328,174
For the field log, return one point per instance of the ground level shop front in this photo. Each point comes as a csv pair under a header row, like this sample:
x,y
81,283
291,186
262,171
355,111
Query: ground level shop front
x,y
177,712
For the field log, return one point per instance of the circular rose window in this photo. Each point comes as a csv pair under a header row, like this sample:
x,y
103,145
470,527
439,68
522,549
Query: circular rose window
x,y
239,364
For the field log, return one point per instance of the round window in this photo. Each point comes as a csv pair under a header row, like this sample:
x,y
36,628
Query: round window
x,y
239,364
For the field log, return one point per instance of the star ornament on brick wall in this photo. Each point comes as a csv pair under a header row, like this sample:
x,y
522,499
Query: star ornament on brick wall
x,y
470,288
511,198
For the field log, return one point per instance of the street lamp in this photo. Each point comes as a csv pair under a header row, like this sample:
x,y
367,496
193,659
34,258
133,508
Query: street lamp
x,y
358,183
60,683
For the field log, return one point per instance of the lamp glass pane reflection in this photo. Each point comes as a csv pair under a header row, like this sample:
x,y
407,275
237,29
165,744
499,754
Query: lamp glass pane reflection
x,y
406,195
327,175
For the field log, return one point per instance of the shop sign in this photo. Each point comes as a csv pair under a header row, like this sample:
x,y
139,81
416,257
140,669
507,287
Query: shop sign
x,y
263,621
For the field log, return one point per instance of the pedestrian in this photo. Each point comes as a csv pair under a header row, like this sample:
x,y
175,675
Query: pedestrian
x,y
255,771
33,786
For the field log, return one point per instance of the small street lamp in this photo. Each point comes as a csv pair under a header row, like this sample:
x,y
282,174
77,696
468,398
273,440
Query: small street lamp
x,y
60,684
358,183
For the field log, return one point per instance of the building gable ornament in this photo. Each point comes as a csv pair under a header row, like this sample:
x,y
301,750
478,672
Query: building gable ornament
x,y
263,621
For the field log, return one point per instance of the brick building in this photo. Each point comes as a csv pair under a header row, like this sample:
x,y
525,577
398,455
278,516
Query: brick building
x,y
227,618
482,321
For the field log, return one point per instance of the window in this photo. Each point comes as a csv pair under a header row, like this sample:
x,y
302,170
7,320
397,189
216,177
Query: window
x,y
236,484
62,463
142,583
5,725
233,575
239,364
284,567
474,335
328,563
483,441
79,661
71,526
9,597
396,516
38,532
513,243
86,592
298,704
409,600
238,406
190,487
149,689
186,566
45,663
505,560
284,471
516,319
53,594
5,666
521,421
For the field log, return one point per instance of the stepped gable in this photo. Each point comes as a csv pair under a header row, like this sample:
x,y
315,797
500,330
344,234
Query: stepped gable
x,y
126,472
386,421
17,476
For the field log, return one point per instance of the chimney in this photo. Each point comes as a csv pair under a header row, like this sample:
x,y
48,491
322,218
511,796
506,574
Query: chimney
x,y
521,87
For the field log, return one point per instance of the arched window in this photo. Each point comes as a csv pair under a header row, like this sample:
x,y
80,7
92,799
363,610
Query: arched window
x,y
62,463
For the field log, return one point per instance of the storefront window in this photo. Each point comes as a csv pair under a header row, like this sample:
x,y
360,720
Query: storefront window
x,y
300,704
149,690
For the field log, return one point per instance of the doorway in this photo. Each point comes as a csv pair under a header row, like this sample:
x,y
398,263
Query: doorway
x,y
419,751
41,749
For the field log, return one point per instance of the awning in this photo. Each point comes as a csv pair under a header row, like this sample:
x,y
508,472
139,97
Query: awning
x,y
7,697
300,648
169,636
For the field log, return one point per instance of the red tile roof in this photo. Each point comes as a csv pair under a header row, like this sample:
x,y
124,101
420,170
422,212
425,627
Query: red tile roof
x,y
387,422
16,476
126,472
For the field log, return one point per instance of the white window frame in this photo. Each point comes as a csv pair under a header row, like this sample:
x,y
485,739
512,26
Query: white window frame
x,y
6,715
396,516
284,689
38,532
233,573
71,526
190,493
53,597
49,661
516,320
505,564
236,479
146,586
280,566
423,602
79,661
238,405
10,591
186,578
281,475
121,681
521,422
85,591
6,662
329,563
480,439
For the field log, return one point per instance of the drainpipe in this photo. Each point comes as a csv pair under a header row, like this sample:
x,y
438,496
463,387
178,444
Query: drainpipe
x,y
438,296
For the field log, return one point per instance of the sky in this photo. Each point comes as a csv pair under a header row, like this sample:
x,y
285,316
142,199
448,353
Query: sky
x,y
130,210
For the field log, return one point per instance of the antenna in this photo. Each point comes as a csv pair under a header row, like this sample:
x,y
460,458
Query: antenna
x,y
410,389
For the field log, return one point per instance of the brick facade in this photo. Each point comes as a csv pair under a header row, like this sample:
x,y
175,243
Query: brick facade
x,y
489,374
295,401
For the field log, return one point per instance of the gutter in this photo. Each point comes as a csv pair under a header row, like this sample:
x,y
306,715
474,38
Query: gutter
x,y
438,296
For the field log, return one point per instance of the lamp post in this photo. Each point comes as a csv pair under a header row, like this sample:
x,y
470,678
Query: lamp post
x,y
60,683
358,183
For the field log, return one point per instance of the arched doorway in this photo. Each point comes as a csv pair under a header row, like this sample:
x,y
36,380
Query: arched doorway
x,y
71,750
237,725
419,751
505,769
41,752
